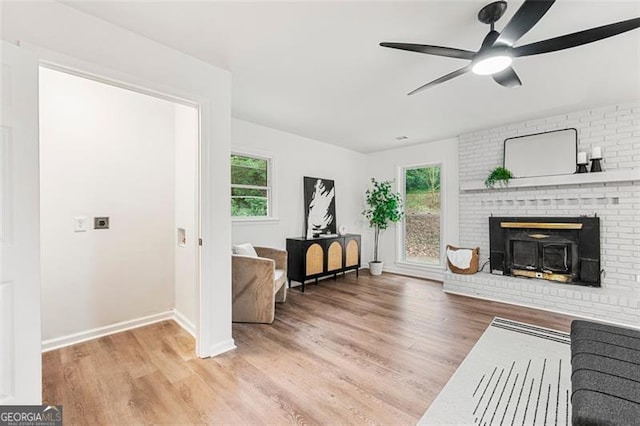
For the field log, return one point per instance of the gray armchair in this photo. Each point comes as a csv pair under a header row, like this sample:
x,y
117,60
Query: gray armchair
x,y
257,284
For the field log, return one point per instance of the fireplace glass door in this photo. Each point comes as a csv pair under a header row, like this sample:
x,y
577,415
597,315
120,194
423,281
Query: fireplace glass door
x,y
524,254
556,258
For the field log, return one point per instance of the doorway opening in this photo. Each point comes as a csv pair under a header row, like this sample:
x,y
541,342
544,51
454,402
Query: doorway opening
x,y
119,208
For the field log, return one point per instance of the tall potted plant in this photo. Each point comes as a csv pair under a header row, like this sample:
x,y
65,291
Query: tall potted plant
x,y
384,207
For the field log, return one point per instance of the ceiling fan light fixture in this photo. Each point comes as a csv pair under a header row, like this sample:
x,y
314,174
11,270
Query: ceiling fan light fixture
x,y
492,64
497,49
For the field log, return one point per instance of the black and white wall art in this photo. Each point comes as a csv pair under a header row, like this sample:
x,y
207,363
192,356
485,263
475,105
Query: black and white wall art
x,y
320,206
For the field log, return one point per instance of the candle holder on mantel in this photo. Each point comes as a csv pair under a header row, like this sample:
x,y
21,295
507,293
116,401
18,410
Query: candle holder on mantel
x,y
582,162
596,157
582,168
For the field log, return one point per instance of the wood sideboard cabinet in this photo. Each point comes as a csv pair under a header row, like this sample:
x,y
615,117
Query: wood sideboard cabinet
x,y
318,257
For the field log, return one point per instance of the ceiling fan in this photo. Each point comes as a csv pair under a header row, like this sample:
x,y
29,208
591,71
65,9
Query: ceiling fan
x,y
497,50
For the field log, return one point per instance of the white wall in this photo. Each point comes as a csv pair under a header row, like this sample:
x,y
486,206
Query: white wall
x,y
385,165
295,157
96,46
186,256
104,151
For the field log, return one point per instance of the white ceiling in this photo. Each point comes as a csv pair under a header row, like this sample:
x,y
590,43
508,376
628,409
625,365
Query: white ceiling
x,y
315,68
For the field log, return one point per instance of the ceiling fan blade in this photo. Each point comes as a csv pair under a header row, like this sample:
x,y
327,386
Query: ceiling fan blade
x,y
576,39
442,79
489,39
523,20
449,52
507,78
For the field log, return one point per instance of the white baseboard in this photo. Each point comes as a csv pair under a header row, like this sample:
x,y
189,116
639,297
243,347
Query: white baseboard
x,y
539,308
408,271
222,347
177,316
83,336
184,322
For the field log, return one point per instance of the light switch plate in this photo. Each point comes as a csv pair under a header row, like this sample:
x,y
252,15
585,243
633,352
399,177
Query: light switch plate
x,y
80,224
101,222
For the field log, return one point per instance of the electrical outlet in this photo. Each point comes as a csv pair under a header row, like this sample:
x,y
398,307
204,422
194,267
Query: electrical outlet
x,y
80,224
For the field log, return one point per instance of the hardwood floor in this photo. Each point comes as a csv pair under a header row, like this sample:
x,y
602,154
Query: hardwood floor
x,y
371,350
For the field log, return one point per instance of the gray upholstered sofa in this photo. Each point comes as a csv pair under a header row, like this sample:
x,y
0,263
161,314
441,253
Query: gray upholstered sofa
x,y
605,379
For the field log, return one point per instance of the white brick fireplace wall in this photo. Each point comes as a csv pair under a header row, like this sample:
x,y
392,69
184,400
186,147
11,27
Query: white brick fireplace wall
x,y
615,128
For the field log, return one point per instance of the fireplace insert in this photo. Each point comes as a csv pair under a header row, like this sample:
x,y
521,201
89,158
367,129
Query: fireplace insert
x,y
563,249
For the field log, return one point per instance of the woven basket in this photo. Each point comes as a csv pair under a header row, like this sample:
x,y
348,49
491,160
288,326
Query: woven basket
x,y
473,267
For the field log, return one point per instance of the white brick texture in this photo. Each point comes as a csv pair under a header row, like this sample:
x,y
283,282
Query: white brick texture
x,y
616,129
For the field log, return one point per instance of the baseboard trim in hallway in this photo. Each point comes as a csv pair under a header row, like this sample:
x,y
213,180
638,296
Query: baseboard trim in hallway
x,y
94,333
184,322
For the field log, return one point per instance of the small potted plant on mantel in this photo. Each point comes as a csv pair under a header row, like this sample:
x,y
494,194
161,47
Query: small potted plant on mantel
x,y
384,207
500,175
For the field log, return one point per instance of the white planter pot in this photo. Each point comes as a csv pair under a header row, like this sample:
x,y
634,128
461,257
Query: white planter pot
x,y
375,268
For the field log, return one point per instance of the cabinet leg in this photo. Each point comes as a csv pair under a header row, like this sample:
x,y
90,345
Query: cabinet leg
x,y
335,276
289,282
316,281
302,288
357,272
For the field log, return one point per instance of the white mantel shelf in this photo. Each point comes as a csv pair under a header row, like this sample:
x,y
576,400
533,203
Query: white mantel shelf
x,y
627,175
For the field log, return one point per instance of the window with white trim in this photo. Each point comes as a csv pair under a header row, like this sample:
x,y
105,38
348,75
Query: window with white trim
x,y
422,225
251,191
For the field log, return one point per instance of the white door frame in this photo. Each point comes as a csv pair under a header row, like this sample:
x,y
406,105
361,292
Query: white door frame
x,y
20,324
204,346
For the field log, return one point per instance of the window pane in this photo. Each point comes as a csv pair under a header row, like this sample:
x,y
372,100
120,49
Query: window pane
x,y
422,221
249,202
245,192
248,171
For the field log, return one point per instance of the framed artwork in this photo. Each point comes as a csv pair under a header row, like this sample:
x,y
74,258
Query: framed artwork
x,y
319,206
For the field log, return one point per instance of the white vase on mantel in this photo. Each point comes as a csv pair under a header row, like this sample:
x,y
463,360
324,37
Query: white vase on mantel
x,y
375,268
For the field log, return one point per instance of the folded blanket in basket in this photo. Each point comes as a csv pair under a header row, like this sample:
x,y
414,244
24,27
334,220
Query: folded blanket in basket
x,y
460,258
